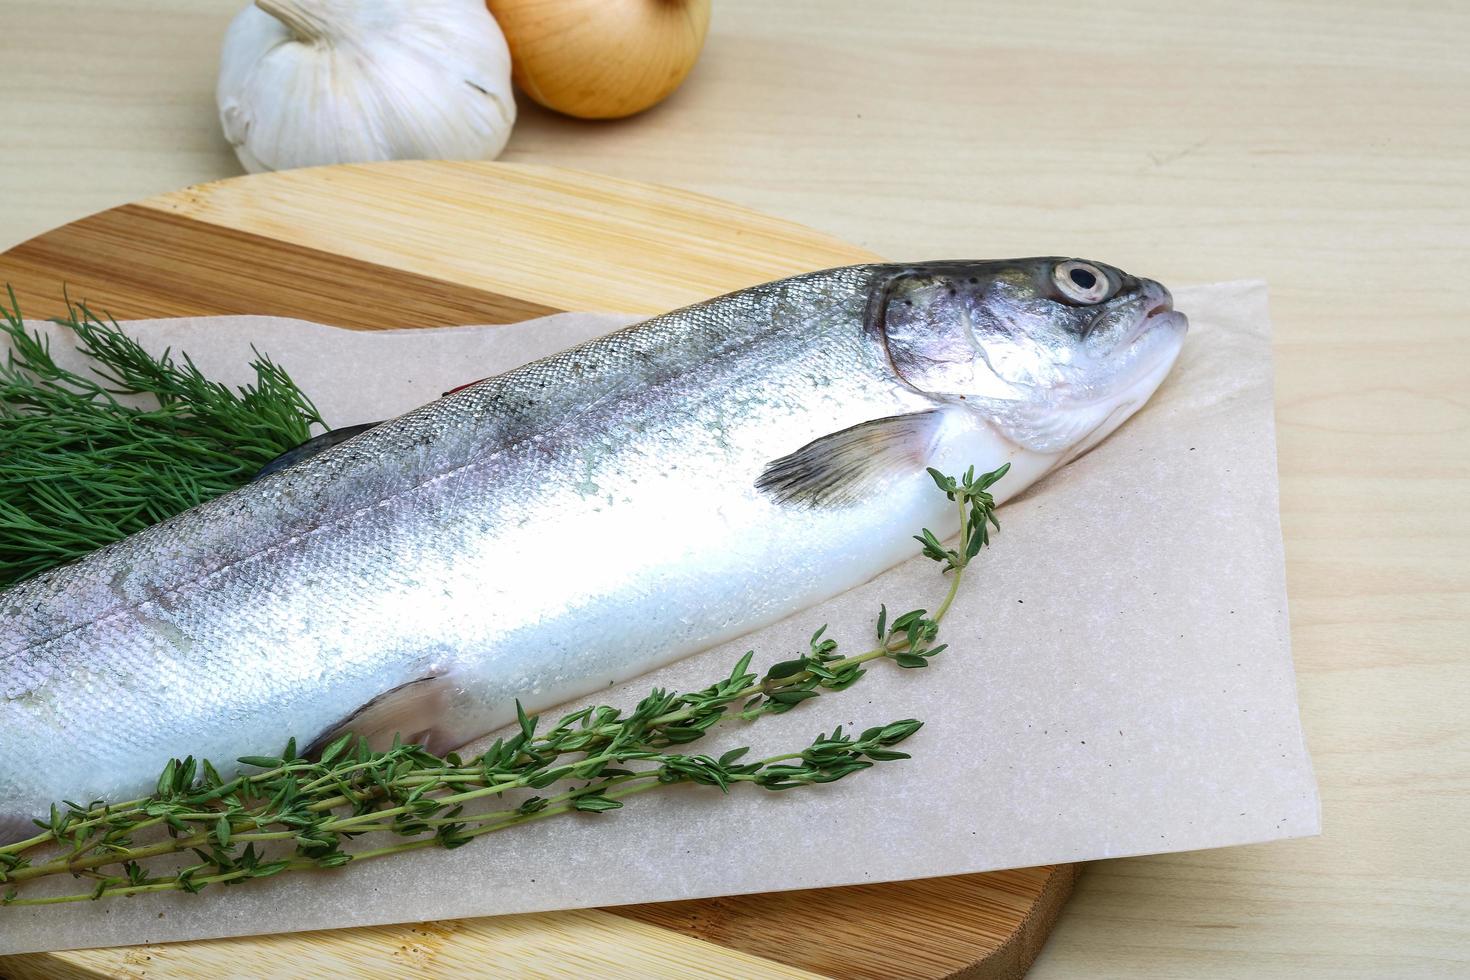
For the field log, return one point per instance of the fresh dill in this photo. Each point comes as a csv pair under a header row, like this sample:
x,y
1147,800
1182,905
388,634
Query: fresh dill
x,y
289,813
82,464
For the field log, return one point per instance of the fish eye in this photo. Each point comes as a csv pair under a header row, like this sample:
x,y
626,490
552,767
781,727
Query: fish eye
x,y
1081,282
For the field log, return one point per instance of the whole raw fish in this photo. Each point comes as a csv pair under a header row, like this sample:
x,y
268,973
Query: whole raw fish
x,y
574,522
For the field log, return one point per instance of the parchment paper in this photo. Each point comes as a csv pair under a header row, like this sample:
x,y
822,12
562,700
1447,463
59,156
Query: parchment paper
x,y
1119,677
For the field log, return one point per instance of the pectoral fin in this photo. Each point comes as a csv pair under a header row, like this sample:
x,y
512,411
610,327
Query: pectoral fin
x,y
843,467
416,712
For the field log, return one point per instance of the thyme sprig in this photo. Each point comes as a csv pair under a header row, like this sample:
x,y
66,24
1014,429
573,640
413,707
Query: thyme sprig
x,y
82,467
319,805
207,818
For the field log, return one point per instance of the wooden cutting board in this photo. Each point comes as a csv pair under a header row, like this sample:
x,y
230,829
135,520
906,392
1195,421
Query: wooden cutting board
x,y
434,243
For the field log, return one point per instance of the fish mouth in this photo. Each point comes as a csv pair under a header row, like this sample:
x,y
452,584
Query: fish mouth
x,y
1157,335
1164,318
1158,314
1146,355
1156,343
1157,340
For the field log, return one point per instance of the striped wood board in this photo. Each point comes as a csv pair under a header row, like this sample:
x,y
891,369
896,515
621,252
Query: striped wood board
x,y
434,243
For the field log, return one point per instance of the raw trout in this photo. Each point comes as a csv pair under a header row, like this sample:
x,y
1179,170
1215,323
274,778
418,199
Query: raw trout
x,y
572,523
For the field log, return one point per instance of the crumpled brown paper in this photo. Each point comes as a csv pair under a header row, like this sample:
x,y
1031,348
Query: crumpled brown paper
x,y
1119,676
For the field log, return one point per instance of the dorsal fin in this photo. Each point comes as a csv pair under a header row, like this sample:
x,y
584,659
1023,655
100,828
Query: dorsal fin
x,y
312,447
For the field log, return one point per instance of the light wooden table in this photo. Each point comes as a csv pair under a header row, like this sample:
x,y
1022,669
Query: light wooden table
x,y
1324,146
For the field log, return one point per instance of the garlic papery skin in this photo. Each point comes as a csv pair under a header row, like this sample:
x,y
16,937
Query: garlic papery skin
x,y
310,82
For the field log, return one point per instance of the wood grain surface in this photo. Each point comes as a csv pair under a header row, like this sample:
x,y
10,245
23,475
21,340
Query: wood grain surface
x,y
405,244
580,943
1322,146
376,247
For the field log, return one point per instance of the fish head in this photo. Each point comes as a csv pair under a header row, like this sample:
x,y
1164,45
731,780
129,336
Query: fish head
x,y
1055,352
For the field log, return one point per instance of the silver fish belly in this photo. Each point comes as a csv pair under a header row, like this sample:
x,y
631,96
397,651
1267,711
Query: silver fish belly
x,y
534,537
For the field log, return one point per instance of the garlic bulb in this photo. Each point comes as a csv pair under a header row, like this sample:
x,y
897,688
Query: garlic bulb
x,y
308,82
601,59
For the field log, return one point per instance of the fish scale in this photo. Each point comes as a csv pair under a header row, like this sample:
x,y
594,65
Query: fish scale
x,y
533,537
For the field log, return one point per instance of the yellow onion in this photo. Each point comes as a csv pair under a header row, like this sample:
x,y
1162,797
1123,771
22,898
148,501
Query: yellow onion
x,y
601,59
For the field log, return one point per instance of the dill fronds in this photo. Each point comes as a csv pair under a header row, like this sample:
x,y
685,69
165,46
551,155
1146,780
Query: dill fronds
x,y
80,469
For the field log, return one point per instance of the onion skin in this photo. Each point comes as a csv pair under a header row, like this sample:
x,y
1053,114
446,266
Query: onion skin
x,y
601,59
